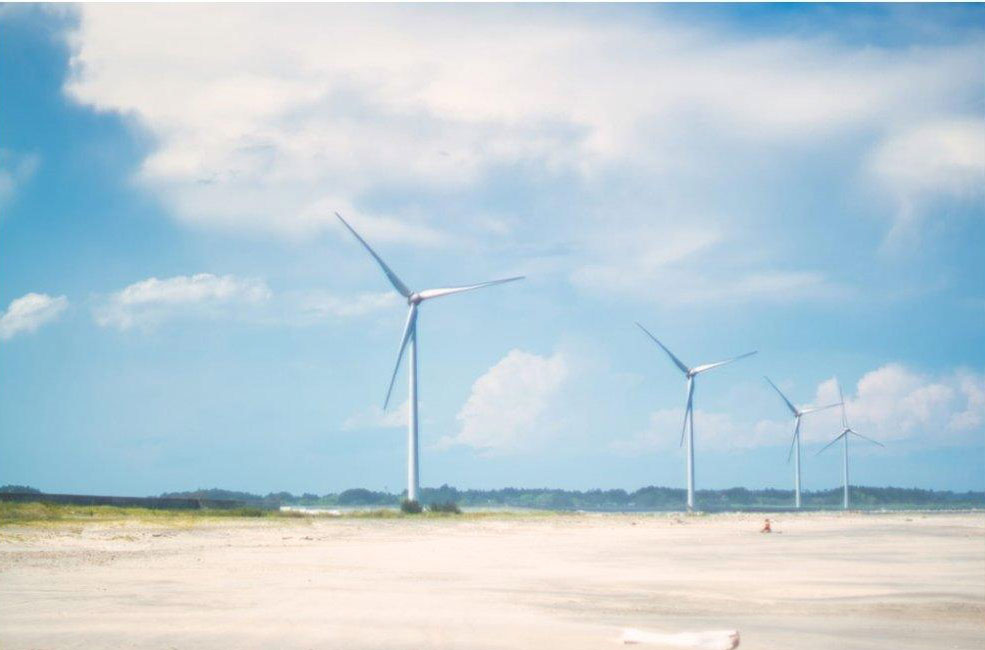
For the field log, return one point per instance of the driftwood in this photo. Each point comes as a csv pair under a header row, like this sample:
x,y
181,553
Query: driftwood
x,y
714,640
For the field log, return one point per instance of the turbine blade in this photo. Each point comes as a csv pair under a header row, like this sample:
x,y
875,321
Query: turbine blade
x,y
709,366
815,409
793,409
410,329
437,293
841,398
832,442
687,409
866,437
677,362
793,441
394,280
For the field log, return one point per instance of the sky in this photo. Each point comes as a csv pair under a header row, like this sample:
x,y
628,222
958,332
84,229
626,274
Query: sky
x,y
179,307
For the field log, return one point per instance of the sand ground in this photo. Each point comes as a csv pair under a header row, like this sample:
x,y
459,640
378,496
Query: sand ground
x,y
826,581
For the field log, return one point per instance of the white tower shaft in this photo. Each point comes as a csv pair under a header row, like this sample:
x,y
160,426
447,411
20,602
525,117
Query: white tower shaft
x,y
690,461
846,471
413,469
796,465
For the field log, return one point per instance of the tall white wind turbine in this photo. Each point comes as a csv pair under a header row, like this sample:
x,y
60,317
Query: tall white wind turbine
x,y
688,428
845,433
414,299
795,443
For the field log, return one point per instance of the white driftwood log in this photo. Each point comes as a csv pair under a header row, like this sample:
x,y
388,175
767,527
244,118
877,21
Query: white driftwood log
x,y
715,640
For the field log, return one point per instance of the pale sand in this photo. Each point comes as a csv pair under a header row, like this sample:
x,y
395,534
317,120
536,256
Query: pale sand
x,y
823,581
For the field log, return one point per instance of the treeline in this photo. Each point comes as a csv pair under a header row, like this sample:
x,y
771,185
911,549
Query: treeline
x,y
648,498
18,489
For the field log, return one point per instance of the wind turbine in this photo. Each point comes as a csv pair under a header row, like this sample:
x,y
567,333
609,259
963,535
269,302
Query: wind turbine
x,y
690,374
846,431
797,414
414,299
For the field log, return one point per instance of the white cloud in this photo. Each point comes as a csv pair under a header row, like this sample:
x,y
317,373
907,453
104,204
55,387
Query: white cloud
x,y
29,312
149,301
693,284
945,156
677,261
930,160
15,170
285,114
375,227
890,404
894,402
514,405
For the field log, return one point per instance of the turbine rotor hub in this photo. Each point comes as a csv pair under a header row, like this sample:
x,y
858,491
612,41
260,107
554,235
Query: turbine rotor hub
x,y
414,299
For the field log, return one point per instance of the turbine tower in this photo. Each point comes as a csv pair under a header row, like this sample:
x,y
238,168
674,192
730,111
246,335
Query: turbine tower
x,y
797,414
414,299
690,374
846,431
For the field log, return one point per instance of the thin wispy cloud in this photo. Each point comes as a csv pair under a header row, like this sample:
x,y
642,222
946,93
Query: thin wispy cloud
x,y
150,301
934,161
29,312
16,169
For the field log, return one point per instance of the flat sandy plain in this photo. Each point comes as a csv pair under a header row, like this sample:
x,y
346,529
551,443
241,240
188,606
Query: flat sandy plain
x,y
822,581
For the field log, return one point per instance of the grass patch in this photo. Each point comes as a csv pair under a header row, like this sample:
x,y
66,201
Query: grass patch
x,y
39,513
447,507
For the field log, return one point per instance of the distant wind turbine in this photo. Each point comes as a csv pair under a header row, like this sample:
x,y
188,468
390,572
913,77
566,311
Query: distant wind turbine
x,y
795,443
690,374
410,334
846,431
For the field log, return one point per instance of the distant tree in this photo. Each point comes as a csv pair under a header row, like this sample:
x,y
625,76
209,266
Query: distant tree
x,y
23,489
653,498
362,497
445,506
410,507
442,494
215,493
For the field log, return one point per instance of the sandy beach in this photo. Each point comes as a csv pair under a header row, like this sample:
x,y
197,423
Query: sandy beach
x,y
555,581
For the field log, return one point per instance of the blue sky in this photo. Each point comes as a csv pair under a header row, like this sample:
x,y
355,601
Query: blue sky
x,y
181,310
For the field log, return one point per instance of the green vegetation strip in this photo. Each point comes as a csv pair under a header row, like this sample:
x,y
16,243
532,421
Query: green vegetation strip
x,y
43,513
